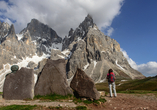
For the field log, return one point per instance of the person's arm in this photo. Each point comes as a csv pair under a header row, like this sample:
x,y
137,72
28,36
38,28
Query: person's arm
x,y
114,77
107,76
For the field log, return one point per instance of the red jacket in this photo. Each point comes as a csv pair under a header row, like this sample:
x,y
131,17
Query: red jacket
x,y
112,75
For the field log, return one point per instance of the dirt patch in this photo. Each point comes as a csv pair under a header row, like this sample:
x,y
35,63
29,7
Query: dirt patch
x,y
131,102
121,102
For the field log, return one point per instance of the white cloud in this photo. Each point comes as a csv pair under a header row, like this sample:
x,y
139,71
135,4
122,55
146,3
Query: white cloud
x,y
61,15
130,61
7,21
3,5
148,69
110,31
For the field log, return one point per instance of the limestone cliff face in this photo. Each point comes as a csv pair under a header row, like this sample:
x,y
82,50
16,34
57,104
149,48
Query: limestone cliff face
x,y
86,48
44,37
96,53
36,39
4,29
13,50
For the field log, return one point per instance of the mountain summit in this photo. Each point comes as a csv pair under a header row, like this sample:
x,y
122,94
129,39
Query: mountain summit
x,y
44,36
86,48
80,32
96,53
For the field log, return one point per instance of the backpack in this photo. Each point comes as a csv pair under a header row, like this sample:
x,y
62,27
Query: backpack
x,y
111,78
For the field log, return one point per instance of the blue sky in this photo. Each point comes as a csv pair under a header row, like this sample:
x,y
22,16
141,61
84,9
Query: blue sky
x,y
132,23
136,31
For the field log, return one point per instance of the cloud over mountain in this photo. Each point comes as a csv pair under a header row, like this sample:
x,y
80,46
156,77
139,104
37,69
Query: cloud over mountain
x,y
148,69
61,15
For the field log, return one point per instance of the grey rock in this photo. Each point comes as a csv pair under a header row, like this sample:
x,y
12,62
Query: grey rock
x,y
84,86
11,35
96,53
4,29
53,79
40,66
32,65
13,50
80,32
19,85
78,58
56,54
44,36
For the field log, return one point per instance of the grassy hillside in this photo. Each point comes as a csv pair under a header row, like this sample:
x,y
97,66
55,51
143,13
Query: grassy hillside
x,y
147,84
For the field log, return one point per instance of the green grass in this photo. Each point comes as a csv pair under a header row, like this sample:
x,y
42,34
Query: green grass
x,y
58,108
147,84
102,100
141,86
81,108
52,97
18,107
138,92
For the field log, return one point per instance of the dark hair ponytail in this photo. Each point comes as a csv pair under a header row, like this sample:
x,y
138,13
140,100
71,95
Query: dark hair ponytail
x,y
110,70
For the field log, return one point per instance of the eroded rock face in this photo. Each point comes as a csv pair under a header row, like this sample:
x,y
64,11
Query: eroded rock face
x,y
32,65
84,86
53,79
4,29
96,53
12,50
40,66
44,36
19,85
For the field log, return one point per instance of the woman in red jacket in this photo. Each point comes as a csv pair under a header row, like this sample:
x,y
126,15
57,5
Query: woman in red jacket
x,y
111,82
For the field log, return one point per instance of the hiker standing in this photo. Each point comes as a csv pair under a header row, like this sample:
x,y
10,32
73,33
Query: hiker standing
x,y
111,82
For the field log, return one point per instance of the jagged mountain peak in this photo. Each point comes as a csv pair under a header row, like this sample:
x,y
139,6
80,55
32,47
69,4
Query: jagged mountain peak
x,y
4,29
34,20
4,25
88,21
95,53
86,47
12,30
10,34
37,28
79,33
44,36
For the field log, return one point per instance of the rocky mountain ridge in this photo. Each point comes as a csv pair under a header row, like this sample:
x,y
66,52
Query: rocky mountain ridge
x,y
96,53
44,36
86,48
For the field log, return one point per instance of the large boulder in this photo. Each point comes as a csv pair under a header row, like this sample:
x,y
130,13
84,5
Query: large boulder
x,y
52,79
19,85
84,86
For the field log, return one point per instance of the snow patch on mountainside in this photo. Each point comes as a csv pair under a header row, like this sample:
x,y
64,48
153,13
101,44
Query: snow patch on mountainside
x,y
85,67
35,59
19,36
119,65
95,62
56,46
22,63
67,53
